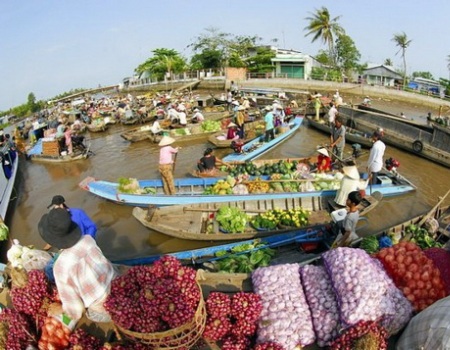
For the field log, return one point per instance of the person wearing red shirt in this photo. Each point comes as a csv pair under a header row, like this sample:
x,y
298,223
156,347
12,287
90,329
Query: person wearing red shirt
x,y
323,161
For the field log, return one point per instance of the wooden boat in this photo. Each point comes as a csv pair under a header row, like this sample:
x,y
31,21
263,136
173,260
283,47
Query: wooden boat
x,y
433,145
137,134
252,130
36,154
352,136
256,148
130,121
190,191
189,222
7,182
94,127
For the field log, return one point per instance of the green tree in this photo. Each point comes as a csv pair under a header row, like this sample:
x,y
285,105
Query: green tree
x,y
31,103
388,62
211,44
426,75
401,40
261,62
164,61
322,26
347,55
324,58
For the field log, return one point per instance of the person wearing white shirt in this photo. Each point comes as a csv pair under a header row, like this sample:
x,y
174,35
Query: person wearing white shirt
x,y
332,113
172,115
182,115
245,103
375,162
198,116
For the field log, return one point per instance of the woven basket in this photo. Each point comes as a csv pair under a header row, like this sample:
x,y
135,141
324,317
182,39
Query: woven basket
x,y
184,336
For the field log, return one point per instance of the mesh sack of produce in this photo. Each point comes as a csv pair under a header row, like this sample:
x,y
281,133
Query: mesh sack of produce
x,y
441,259
430,329
285,316
322,303
357,283
397,309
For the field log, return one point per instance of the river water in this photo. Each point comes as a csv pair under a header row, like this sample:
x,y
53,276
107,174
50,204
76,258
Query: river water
x,y
121,236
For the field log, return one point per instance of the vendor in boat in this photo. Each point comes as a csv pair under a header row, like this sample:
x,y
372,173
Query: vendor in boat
x,y
350,182
208,162
245,102
240,119
79,292
348,234
182,118
197,117
232,133
166,163
323,161
293,104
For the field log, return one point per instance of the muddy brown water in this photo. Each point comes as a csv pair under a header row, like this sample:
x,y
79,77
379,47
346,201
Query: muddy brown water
x,y
121,236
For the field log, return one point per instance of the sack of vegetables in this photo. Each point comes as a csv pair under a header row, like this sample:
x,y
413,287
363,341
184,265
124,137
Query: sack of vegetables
x,y
160,305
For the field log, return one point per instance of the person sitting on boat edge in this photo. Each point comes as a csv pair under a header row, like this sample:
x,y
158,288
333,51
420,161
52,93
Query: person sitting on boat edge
x,y
82,273
197,117
166,164
209,161
350,182
232,131
348,234
182,118
323,161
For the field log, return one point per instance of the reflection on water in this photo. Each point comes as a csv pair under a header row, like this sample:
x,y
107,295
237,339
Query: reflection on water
x,y
121,236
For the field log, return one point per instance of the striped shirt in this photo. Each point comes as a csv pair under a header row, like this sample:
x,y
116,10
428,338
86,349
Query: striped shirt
x,y
83,276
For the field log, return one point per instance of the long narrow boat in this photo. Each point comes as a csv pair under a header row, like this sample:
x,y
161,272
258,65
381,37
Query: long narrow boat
x,y
97,127
433,145
252,129
351,136
256,148
36,154
7,180
191,221
190,190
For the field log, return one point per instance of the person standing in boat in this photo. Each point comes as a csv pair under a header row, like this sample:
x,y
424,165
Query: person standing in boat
x,y
269,119
337,138
332,113
166,163
317,104
240,119
375,162
245,103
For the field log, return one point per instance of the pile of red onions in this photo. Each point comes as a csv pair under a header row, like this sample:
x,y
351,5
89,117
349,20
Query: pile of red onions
x,y
322,303
155,298
357,284
285,317
441,259
20,331
232,320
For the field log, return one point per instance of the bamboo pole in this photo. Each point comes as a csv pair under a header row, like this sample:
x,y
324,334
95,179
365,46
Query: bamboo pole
x,y
432,211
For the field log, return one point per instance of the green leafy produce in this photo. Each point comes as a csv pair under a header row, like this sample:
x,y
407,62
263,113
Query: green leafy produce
x,y
244,262
129,185
370,244
211,125
4,232
231,219
421,237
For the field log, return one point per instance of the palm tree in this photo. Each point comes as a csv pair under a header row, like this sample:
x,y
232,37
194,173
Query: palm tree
x,y
388,62
401,40
323,27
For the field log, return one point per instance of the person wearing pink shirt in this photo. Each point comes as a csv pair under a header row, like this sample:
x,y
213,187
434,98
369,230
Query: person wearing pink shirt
x,y
166,163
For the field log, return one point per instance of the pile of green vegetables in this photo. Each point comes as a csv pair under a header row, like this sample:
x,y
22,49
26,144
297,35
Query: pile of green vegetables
x,y
421,237
231,219
211,125
244,258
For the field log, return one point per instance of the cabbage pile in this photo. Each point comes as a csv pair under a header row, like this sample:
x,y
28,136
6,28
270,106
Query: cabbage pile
x,y
285,316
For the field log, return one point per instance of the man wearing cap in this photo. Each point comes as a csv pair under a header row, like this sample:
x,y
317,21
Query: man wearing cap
x,y
79,216
166,163
82,273
375,162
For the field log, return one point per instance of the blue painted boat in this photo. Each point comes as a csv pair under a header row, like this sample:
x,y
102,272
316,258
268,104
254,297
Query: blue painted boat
x,y
255,148
7,178
190,190
305,235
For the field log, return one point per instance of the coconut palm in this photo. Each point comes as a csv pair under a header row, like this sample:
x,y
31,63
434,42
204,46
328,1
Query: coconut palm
x,y
388,62
322,26
401,40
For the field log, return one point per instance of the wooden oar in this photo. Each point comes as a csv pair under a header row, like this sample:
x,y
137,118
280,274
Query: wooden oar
x,y
175,161
432,211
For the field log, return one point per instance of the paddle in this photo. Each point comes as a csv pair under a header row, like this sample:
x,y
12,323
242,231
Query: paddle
x,y
175,161
431,212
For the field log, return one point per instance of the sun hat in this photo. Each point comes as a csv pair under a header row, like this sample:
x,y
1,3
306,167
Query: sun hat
x,y
241,108
351,171
245,98
57,229
268,108
236,103
231,125
278,106
57,200
166,140
323,151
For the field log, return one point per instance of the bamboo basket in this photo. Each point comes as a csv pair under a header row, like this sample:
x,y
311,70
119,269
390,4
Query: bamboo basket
x,y
184,336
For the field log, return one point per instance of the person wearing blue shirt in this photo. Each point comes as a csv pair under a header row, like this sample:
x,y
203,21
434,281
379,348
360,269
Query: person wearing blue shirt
x,y
270,134
78,216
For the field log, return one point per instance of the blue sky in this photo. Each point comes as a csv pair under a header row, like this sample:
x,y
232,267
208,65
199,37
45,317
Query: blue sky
x,y
49,47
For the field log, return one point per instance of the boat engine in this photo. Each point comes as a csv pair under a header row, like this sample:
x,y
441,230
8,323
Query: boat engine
x,y
356,147
392,164
236,146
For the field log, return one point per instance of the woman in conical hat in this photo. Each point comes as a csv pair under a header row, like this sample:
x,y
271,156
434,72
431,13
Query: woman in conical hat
x,y
349,183
323,160
166,163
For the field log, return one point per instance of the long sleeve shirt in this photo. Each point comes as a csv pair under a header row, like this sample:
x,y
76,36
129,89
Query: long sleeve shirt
x,y
83,276
375,162
87,226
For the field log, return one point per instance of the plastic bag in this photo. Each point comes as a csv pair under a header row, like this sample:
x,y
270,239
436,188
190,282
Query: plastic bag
x,y
35,259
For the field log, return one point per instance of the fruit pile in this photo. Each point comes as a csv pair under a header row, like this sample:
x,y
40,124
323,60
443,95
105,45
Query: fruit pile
x,y
258,186
223,186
